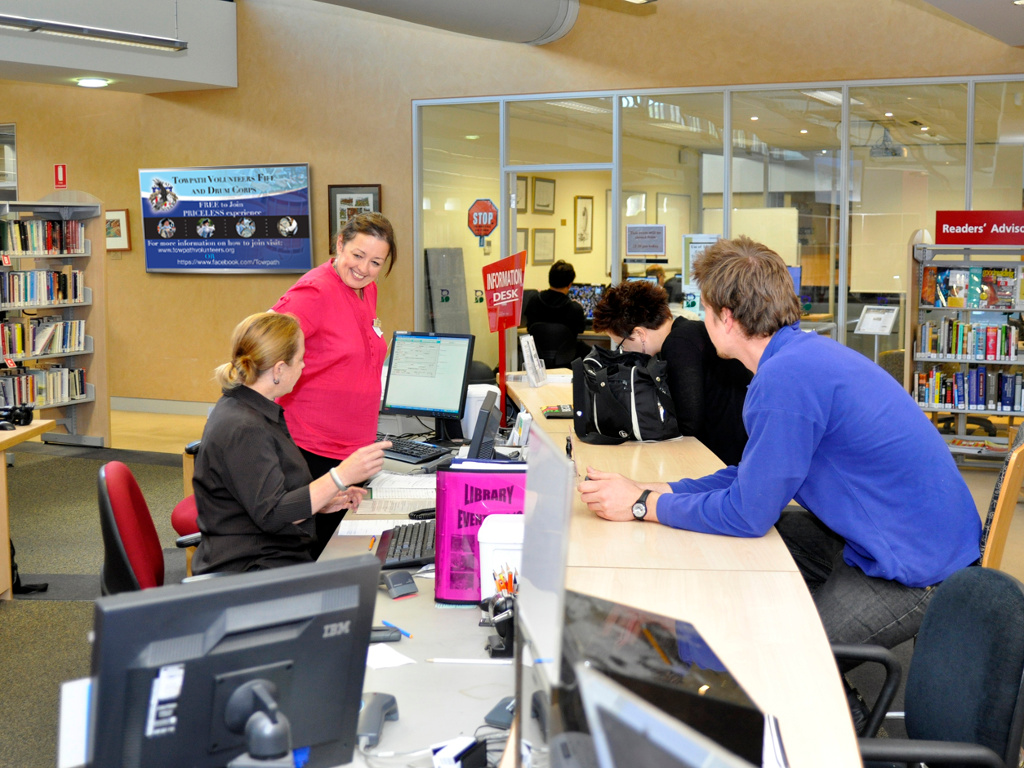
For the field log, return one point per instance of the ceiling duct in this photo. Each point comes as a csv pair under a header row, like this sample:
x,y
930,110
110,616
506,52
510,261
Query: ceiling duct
x,y
515,21
886,147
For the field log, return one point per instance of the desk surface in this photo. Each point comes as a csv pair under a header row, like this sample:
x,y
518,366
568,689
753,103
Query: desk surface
x,y
744,595
9,439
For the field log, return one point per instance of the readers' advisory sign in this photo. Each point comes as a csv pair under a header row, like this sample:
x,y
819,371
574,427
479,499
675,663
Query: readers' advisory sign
x,y
227,219
979,227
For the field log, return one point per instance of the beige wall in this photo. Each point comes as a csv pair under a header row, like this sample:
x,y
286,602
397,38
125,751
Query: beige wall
x,y
332,87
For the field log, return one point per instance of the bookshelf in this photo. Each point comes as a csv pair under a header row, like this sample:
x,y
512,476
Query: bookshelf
x,y
53,327
964,335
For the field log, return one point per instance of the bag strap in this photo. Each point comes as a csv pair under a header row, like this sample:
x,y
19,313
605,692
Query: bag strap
x,y
585,397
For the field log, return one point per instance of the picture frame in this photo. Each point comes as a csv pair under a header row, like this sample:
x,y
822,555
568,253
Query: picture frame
x,y
543,246
347,200
522,240
543,195
522,184
583,227
118,233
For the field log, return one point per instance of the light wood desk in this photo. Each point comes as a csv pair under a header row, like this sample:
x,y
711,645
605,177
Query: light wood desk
x,y
7,441
745,596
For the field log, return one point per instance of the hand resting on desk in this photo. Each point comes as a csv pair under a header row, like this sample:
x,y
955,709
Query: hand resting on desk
x,y
611,496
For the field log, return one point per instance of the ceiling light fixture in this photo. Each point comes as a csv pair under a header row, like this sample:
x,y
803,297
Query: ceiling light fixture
x,y
640,2
1018,2
95,34
577,106
93,82
472,136
803,130
888,114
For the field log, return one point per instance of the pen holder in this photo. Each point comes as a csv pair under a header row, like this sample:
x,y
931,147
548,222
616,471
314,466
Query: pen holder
x,y
501,611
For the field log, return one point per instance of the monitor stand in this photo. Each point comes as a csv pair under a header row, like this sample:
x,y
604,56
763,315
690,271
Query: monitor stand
x,y
448,433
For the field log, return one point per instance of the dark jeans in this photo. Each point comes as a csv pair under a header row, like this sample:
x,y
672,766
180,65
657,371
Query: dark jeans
x,y
326,524
854,607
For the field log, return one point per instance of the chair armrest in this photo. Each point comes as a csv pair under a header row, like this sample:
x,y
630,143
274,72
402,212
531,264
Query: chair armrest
x,y
921,751
191,540
893,672
193,448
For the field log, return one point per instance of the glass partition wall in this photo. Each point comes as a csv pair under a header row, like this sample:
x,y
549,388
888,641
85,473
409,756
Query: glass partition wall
x,y
836,177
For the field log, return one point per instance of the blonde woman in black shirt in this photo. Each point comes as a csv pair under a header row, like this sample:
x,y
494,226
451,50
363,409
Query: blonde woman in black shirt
x,y
255,494
707,390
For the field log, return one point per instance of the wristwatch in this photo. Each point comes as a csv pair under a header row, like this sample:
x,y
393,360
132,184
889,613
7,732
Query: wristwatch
x,y
640,506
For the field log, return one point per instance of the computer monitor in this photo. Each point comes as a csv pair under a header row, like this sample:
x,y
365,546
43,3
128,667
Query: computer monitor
x,y
427,376
486,428
587,296
169,663
629,731
643,278
795,276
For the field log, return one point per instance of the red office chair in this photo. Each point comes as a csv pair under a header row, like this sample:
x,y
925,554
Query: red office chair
x,y
185,513
132,559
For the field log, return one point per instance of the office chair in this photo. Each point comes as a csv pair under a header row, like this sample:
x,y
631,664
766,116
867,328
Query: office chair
x,y
184,516
1003,504
964,698
132,557
556,344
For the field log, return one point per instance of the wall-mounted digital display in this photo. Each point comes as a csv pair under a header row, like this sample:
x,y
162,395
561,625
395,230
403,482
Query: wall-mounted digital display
x,y
226,219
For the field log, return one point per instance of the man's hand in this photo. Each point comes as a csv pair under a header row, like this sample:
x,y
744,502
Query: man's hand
x,y
609,494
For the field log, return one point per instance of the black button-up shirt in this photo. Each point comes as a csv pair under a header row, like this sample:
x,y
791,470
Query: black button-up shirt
x,y
251,485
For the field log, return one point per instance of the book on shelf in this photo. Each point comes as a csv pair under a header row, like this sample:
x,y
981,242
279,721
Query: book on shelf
x,y
42,237
999,287
974,289
957,281
928,286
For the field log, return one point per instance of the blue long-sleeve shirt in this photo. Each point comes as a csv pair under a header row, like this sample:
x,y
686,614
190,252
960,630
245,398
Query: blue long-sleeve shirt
x,y
837,433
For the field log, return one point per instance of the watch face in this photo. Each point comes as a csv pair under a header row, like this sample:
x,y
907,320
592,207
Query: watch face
x,y
639,510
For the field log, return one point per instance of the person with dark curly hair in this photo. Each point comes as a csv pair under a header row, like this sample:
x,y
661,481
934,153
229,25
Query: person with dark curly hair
x,y
707,390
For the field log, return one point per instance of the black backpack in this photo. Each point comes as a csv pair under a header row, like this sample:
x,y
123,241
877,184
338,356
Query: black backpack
x,y
621,396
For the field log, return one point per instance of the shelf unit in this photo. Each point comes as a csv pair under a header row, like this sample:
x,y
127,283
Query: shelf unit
x,y
965,447
84,420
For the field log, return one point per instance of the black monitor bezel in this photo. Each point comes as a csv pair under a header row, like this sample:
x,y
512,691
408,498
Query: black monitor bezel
x,y
489,413
429,413
130,625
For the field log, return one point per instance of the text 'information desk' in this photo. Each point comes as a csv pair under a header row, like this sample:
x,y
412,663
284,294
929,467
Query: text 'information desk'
x,y
9,439
745,596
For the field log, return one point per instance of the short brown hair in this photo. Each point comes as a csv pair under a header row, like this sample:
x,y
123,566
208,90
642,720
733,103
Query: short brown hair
x,y
630,305
258,343
751,280
374,225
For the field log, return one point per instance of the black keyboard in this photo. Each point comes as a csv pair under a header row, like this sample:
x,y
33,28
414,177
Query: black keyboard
x,y
412,451
407,545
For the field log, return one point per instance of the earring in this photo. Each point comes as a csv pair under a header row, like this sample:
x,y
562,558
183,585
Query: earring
x,y
277,380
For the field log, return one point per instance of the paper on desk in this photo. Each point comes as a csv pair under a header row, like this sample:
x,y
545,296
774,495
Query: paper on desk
x,y
396,485
393,507
369,527
382,656
559,378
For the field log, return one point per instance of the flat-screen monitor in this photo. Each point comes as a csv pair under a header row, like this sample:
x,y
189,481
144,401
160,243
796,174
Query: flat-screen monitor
x,y
643,278
629,731
486,428
795,275
586,295
427,376
177,670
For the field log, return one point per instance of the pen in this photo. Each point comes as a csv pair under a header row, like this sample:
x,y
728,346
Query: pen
x,y
472,661
389,624
372,542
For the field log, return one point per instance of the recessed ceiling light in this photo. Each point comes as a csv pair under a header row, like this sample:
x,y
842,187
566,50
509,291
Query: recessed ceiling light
x,y
472,136
803,130
93,82
754,117
1018,2
924,127
888,114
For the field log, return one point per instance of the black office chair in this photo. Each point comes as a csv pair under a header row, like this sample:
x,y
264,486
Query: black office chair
x,y
556,344
528,293
964,698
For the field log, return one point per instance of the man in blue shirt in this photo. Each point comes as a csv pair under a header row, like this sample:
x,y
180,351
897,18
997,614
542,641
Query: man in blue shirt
x,y
889,515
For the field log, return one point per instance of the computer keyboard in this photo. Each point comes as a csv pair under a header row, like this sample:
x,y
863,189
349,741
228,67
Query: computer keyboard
x,y
412,451
407,545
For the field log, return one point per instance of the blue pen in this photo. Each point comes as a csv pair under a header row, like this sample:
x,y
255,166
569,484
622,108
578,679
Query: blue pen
x,y
389,624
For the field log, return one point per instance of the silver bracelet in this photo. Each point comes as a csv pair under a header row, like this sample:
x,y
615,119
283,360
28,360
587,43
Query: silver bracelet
x,y
337,480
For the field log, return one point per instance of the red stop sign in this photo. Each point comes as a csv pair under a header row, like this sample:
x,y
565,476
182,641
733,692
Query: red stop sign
x,y
483,218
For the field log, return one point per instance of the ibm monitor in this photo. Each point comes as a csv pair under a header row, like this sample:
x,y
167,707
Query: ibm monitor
x,y
586,295
427,376
182,672
486,429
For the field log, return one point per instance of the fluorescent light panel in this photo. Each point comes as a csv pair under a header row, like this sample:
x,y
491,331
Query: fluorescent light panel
x,y
100,34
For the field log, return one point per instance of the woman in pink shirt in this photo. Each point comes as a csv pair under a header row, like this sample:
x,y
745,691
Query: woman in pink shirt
x,y
333,409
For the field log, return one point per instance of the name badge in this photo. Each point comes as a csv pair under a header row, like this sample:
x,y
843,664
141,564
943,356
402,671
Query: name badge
x,y
377,329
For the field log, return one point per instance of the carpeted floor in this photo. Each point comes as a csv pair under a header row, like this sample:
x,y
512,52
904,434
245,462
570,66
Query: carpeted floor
x,y
55,527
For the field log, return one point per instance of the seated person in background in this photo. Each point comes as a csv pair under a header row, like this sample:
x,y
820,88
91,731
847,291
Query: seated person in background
x,y
888,514
255,494
707,390
658,272
554,320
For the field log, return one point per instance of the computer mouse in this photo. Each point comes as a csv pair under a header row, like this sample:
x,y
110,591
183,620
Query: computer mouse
x,y
398,583
423,514
6,425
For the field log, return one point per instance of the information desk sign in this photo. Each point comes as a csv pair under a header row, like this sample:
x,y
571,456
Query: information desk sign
x,y
483,218
979,227
503,292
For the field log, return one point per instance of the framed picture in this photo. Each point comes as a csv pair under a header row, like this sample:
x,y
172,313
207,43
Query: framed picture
x,y
543,246
119,237
521,186
543,195
348,200
583,230
522,240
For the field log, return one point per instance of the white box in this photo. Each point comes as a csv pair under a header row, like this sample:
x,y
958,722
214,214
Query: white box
x,y
501,545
